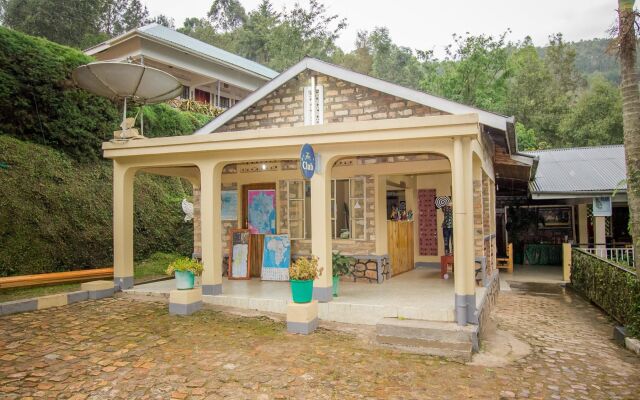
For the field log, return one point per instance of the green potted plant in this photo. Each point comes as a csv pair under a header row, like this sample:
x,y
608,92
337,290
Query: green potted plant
x,y
302,272
185,269
341,266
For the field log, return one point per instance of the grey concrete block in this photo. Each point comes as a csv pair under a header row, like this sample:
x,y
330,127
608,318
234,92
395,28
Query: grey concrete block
x,y
75,297
303,328
184,309
18,306
123,282
212,290
101,294
619,334
323,294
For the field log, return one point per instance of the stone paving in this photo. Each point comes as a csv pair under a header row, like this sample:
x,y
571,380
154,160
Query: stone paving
x,y
123,348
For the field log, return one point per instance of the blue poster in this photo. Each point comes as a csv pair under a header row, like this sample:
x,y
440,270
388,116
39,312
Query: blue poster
x,y
276,258
229,200
262,211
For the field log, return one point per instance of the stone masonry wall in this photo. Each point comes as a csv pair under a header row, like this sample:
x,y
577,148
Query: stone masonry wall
x,y
478,231
343,102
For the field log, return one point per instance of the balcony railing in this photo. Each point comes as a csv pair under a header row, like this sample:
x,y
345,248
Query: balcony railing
x,y
620,255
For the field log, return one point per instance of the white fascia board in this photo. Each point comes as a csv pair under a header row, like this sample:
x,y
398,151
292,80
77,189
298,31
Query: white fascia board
x,y
527,160
485,117
575,195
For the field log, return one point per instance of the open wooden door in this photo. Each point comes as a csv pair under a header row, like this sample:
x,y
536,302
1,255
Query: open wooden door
x,y
400,245
257,239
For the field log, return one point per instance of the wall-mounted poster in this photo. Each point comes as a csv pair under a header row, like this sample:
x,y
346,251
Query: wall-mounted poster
x,y
554,217
239,264
602,206
276,257
229,200
261,210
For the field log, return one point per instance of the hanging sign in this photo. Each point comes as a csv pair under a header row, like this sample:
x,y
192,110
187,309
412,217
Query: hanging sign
x,y
602,206
307,161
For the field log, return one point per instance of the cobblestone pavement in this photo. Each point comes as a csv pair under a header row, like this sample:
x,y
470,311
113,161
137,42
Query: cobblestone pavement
x,y
122,348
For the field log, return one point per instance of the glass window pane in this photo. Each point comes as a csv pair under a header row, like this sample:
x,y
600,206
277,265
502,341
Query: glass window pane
x,y
333,229
357,208
296,229
295,209
296,189
358,229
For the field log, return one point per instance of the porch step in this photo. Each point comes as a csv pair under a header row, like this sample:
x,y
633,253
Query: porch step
x,y
444,339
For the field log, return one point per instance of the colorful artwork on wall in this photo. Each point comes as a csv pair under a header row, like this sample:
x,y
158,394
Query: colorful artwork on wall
x,y
261,210
229,200
239,261
276,258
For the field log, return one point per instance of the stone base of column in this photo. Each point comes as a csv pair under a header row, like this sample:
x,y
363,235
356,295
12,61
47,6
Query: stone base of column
x,y
466,309
185,302
123,282
212,290
323,294
302,318
99,289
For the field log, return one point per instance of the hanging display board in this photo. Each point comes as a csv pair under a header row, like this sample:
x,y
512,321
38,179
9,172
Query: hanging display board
x,y
239,260
427,224
276,258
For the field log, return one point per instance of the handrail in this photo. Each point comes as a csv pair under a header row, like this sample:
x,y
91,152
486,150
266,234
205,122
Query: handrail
x,y
55,277
605,260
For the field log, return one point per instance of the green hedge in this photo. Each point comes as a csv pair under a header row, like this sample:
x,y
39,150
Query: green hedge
x,y
56,213
613,288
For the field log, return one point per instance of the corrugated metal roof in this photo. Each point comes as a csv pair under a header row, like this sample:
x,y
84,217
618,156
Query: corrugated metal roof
x,y
581,169
167,34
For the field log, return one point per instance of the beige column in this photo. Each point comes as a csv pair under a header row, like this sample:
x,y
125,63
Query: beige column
x,y
197,228
583,231
381,214
123,180
211,237
321,230
463,247
599,232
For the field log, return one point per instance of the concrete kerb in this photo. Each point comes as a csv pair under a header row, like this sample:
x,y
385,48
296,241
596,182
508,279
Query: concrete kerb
x,y
620,336
90,290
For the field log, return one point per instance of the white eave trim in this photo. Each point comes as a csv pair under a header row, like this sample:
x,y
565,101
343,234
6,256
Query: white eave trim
x,y
485,117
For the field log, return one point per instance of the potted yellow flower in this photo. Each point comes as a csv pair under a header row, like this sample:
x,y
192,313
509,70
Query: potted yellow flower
x,y
185,270
302,272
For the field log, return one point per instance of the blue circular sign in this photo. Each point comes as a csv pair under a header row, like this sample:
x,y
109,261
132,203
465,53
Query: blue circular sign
x,y
307,161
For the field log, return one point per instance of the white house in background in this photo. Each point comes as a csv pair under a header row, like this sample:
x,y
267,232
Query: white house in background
x,y
209,74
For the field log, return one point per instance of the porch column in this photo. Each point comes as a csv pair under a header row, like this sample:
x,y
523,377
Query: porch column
x,y
211,237
321,231
583,229
123,179
599,232
463,238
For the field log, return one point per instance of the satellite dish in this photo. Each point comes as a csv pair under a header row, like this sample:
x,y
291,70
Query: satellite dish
x,y
137,83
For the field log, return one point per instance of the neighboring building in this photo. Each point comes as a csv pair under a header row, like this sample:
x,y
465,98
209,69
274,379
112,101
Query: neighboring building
x,y
375,142
209,74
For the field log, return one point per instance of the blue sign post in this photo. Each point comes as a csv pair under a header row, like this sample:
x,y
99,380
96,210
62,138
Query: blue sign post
x,y
307,161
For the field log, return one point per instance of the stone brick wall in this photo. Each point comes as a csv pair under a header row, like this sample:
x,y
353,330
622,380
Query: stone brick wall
x,y
343,102
478,231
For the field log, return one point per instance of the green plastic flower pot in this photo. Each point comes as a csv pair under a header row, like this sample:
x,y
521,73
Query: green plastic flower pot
x,y
184,280
302,291
336,285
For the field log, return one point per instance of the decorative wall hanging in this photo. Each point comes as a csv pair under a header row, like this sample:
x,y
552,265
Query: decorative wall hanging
x,y
239,260
261,209
276,258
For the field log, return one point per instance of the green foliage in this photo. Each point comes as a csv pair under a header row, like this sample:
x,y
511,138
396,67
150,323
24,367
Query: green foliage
x,y
154,266
341,264
613,288
164,120
304,269
596,117
528,139
39,103
78,23
185,264
56,213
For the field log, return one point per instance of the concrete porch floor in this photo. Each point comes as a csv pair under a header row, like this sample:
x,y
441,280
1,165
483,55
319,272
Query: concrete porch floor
x,y
417,294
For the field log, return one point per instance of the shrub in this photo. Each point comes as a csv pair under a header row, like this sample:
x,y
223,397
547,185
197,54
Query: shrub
x,y
304,269
613,288
185,264
341,264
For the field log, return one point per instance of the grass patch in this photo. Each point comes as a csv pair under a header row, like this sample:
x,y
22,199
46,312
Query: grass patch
x,y
11,294
154,266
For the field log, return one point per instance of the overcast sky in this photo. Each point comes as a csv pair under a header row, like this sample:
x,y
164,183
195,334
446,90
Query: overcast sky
x,y
429,24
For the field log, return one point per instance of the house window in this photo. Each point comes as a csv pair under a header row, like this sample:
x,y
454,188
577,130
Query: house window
x,y
224,102
348,204
299,209
185,92
313,112
202,96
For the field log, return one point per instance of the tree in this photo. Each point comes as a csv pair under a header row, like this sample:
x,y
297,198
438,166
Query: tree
x,y
227,15
163,20
596,117
626,44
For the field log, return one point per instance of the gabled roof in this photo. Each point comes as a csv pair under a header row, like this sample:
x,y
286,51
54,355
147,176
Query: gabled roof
x,y
487,118
186,43
581,170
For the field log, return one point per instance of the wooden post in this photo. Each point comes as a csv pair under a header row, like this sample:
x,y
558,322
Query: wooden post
x,y
566,262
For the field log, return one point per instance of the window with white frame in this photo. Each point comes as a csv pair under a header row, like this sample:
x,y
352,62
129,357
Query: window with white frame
x,y
299,209
348,205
